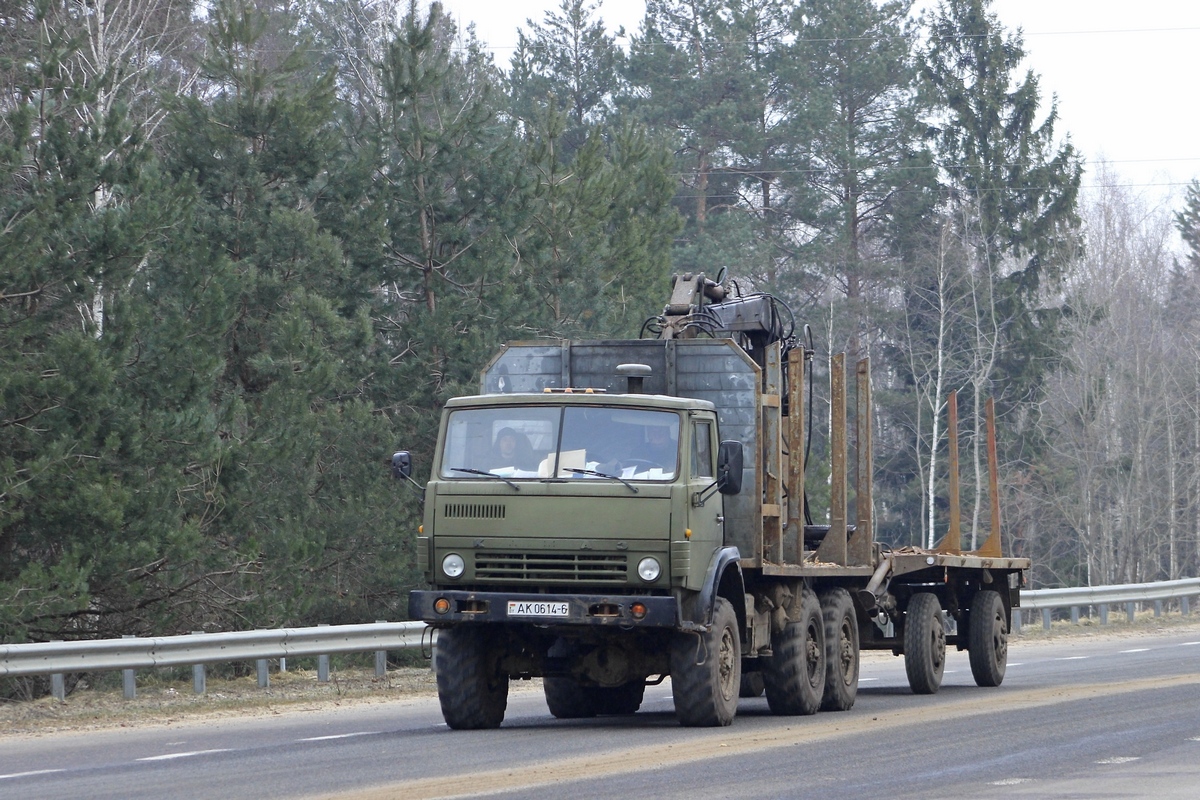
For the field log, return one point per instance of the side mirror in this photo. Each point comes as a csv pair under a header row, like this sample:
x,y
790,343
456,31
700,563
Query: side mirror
x,y
401,465
729,467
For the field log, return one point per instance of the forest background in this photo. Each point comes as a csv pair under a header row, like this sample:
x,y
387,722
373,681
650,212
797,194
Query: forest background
x,y
248,250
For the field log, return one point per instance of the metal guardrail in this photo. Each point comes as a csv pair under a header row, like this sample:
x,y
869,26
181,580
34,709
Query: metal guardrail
x,y
206,648
130,653
1128,595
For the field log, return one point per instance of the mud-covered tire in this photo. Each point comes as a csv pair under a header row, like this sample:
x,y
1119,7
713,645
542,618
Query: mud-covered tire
x,y
617,700
924,643
794,675
706,671
987,638
841,650
566,699
751,685
472,691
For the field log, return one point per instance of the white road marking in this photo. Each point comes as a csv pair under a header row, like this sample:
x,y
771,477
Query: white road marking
x,y
30,773
1071,658
189,754
864,680
337,736
1137,650
1017,664
1119,760
1194,739
1188,644
1010,782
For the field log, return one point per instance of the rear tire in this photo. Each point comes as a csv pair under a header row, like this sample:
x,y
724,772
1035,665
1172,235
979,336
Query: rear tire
x,y
752,684
841,650
924,643
617,700
566,699
987,636
706,693
472,691
794,675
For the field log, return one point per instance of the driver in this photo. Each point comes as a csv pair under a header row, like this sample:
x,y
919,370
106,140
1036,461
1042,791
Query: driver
x,y
511,449
657,448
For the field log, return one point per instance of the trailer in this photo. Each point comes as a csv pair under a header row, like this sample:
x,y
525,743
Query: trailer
x,y
607,514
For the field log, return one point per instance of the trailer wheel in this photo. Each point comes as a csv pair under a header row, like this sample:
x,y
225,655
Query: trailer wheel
x,y
566,699
794,676
471,689
924,643
987,636
841,650
617,700
752,684
706,670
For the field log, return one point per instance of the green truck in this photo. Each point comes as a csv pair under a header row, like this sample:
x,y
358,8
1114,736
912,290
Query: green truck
x,y
608,514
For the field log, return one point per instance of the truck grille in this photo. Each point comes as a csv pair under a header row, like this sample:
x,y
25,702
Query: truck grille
x,y
546,567
473,511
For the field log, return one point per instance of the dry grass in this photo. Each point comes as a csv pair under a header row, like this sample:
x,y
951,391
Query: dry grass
x,y
162,701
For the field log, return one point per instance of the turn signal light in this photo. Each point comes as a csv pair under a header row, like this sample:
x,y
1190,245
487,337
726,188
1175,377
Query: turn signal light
x,y
638,610
441,605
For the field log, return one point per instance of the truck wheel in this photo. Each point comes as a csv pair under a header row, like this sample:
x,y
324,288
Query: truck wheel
x,y
841,650
472,691
617,700
924,643
567,699
752,684
794,675
706,693
987,638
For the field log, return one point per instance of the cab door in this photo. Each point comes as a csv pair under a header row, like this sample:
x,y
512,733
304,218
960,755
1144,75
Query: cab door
x,y
705,520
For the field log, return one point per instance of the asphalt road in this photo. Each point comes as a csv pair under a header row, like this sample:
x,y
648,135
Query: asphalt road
x,y
1076,717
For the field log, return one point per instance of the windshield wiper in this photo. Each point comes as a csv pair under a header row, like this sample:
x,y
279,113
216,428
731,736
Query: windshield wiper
x,y
487,474
631,487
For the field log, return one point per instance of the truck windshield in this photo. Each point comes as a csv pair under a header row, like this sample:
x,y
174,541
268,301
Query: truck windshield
x,y
561,442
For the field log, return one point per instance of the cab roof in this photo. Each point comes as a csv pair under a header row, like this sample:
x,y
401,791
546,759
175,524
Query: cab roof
x,y
578,397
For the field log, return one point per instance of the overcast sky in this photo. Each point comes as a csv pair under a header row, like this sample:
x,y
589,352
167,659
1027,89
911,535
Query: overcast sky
x,y
1119,69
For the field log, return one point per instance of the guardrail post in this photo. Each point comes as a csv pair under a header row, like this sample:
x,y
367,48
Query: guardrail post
x,y
1016,620
1104,613
1046,618
1158,608
264,680
380,657
1074,615
1131,611
58,687
322,662
1183,606
199,675
128,677
283,663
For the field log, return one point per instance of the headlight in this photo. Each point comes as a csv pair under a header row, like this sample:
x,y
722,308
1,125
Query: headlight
x,y
649,570
453,566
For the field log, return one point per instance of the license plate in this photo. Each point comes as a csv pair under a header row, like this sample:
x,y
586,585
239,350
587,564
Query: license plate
x,y
536,608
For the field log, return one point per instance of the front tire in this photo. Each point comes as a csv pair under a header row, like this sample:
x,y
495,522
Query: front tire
x,y
472,691
841,650
794,675
924,643
706,671
987,637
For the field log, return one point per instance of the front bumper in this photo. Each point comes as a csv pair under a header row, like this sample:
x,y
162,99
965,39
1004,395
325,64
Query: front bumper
x,y
590,610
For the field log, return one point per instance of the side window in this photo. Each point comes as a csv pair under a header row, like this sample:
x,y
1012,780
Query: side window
x,y
702,456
